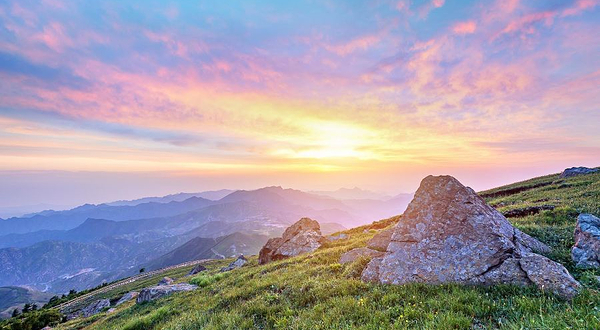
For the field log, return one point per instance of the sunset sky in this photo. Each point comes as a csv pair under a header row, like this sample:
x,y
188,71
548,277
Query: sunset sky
x,y
121,99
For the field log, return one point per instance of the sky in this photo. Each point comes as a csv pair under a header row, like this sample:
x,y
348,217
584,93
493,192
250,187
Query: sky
x,y
104,100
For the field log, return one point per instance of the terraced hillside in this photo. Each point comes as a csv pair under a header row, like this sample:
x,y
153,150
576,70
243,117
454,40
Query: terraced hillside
x,y
314,291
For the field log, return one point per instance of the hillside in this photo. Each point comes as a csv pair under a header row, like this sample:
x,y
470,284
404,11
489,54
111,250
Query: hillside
x,y
314,291
12,297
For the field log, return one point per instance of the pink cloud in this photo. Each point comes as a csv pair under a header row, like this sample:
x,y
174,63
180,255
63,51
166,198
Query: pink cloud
x,y
54,37
467,27
580,5
360,43
426,8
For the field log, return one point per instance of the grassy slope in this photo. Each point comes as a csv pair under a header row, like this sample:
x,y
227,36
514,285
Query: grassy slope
x,y
316,292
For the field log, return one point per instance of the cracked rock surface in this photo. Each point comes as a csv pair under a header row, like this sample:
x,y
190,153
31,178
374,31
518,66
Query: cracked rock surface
x,y
448,234
586,251
302,237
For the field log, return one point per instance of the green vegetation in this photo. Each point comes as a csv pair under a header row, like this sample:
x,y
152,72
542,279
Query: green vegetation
x,y
32,320
315,292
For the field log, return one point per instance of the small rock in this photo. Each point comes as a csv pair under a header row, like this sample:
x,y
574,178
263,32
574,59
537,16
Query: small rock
x,y
354,254
111,310
381,240
237,263
199,268
127,297
337,237
166,281
95,307
302,237
586,251
575,171
155,292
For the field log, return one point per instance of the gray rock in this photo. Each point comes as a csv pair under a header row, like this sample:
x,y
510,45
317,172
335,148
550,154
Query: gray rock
x,y
127,297
337,237
586,251
156,292
448,234
95,307
530,244
354,254
371,272
381,240
237,263
165,281
549,275
199,268
575,171
111,310
302,237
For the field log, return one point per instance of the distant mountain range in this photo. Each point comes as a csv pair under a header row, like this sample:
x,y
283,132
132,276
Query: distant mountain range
x,y
354,193
213,195
82,247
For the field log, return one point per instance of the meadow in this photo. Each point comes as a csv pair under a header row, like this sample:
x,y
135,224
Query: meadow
x,y
314,291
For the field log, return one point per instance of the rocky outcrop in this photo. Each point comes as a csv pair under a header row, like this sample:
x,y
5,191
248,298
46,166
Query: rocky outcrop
x,y
155,292
198,269
94,308
165,281
127,297
525,211
575,171
448,234
586,251
381,240
354,254
302,237
237,263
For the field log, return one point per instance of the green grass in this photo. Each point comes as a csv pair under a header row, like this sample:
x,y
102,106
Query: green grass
x,y
314,291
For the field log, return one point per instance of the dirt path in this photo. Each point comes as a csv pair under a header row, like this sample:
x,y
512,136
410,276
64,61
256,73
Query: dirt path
x,y
66,305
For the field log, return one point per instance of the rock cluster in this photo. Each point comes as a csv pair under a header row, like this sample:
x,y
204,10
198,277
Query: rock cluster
x,y
586,251
165,281
237,263
575,171
155,292
302,237
94,308
449,234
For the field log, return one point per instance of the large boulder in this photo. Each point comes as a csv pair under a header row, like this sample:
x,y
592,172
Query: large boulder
x,y
586,251
155,292
127,297
237,263
575,171
302,237
95,307
448,234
